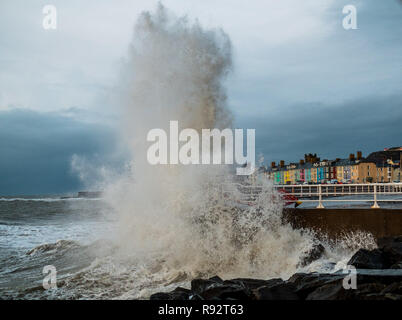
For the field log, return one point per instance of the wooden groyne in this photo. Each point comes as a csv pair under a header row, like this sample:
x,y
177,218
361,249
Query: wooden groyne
x,y
337,222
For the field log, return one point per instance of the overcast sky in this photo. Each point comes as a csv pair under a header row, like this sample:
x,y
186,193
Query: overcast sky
x,y
304,82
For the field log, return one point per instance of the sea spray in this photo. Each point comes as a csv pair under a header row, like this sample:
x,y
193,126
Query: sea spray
x,y
177,222
182,215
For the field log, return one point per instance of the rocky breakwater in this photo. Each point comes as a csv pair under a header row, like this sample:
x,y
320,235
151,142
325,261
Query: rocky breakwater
x,y
378,277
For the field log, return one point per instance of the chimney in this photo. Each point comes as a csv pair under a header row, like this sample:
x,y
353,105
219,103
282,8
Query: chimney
x,y
282,163
352,157
273,164
359,155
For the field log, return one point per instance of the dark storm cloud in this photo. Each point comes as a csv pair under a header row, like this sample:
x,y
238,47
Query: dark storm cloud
x,y
36,151
286,54
367,124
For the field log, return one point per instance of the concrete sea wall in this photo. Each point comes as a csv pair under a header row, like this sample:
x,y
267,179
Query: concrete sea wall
x,y
335,222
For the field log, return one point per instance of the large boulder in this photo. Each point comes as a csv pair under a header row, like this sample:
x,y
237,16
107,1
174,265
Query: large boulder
x,y
392,253
368,259
305,283
278,291
387,256
227,292
330,291
198,286
217,289
177,294
382,242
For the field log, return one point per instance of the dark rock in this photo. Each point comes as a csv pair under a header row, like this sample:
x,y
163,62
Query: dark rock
x,y
395,288
331,291
195,297
396,265
382,242
161,296
366,288
279,291
216,288
385,277
177,294
305,283
198,286
216,279
367,291
313,254
391,296
367,259
392,253
227,292
371,285
336,291
391,248
253,283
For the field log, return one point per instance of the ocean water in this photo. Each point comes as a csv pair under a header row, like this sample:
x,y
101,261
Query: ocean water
x,y
60,232
80,237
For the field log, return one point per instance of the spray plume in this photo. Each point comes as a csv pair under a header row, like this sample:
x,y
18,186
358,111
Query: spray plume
x,y
177,222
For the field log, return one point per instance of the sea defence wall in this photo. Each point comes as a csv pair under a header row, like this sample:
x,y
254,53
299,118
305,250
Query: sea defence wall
x,y
337,222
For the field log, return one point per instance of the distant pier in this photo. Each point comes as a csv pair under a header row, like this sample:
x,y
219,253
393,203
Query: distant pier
x,y
89,194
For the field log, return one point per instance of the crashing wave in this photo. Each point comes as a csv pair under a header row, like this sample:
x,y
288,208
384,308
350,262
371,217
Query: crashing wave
x,y
51,247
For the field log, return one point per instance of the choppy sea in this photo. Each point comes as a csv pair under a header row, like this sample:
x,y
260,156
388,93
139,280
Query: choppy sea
x,y
74,236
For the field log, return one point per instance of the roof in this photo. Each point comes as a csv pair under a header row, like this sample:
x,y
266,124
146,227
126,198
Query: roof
x,y
380,157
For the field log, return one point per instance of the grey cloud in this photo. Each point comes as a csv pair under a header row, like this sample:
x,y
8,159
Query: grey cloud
x,y
366,124
36,151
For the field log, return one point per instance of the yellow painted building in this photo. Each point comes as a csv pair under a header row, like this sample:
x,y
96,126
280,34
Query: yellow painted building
x,y
397,175
367,172
384,174
354,173
339,173
313,175
286,177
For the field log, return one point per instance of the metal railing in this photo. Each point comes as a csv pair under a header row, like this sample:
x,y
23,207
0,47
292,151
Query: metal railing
x,y
325,192
321,191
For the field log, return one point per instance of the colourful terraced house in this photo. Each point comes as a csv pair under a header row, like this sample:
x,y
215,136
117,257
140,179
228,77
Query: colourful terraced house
x,y
379,166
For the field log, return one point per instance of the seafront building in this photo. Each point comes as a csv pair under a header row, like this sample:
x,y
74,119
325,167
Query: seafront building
x,y
380,166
